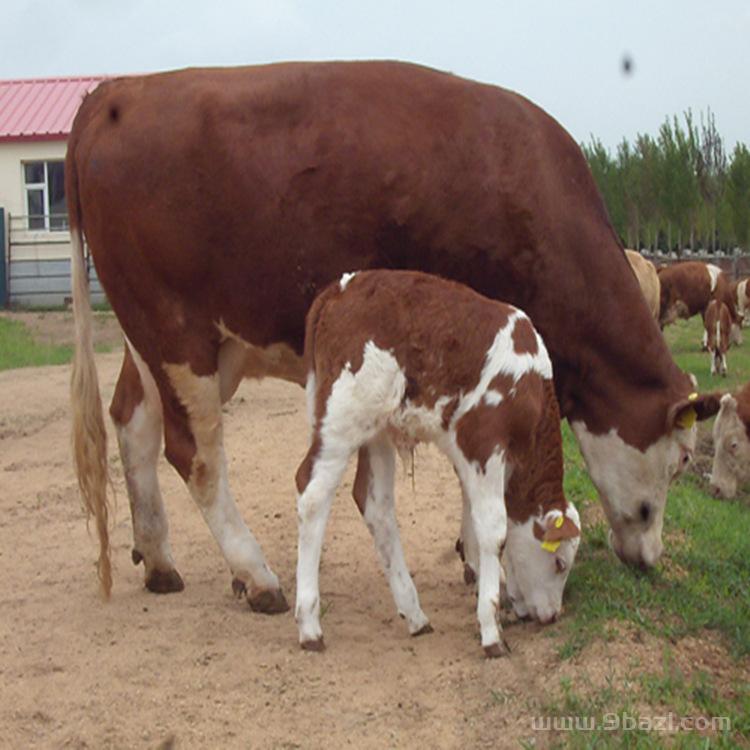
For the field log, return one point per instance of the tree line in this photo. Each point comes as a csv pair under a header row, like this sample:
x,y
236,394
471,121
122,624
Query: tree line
x,y
680,189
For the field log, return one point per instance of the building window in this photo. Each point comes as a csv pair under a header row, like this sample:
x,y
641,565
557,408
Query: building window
x,y
45,195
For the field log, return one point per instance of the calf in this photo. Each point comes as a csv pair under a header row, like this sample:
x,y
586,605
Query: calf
x,y
407,357
731,443
718,324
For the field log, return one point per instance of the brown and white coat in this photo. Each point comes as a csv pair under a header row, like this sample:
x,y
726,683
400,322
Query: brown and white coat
x,y
217,203
407,356
718,325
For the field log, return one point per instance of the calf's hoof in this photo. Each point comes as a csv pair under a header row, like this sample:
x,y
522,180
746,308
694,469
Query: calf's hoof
x,y
317,644
424,630
470,577
269,602
496,650
460,548
164,581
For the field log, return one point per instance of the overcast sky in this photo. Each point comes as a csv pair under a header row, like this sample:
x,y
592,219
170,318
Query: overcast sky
x,y
566,55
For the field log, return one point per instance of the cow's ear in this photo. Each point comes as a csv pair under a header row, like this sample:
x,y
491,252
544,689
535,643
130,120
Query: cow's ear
x,y
696,406
728,403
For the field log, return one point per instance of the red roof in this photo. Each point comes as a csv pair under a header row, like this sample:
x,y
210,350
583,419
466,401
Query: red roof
x,y
41,109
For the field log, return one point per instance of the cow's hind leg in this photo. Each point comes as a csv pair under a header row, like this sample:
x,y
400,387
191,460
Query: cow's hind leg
x,y
136,413
374,494
194,446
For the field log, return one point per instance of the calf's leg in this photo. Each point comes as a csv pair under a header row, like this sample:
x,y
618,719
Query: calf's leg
x,y
486,497
374,493
136,413
467,544
317,479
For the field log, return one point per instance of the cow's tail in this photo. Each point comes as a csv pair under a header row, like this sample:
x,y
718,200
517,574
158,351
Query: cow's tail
x,y
89,432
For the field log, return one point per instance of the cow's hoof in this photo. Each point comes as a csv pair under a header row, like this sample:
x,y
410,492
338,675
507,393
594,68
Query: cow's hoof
x,y
317,644
424,630
470,577
136,556
496,650
268,602
164,581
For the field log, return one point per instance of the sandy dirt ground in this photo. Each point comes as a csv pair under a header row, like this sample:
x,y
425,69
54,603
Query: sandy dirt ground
x,y
198,668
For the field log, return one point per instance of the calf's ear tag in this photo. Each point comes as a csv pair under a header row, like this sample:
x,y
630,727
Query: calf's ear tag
x,y
552,546
693,396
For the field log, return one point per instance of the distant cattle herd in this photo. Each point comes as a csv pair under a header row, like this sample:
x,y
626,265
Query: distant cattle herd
x,y
697,288
291,221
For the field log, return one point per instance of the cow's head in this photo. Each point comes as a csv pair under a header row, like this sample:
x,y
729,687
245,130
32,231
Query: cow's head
x,y
633,482
731,449
537,559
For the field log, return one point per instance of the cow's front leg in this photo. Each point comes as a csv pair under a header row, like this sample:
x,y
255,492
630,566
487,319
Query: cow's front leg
x,y
374,493
194,446
136,413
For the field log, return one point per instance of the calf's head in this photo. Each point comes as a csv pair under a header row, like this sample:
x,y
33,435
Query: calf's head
x,y
731,449
633,482
537,559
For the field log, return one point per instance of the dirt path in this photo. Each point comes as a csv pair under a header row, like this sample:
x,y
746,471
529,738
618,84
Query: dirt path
x,y
198,669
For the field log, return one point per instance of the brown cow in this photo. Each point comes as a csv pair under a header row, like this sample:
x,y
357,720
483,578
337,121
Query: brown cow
x,y
404,356
648,278
217,202
688,287
718,324
731,433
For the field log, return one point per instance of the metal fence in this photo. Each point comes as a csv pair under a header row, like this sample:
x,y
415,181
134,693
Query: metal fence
x,y
735,266
38,264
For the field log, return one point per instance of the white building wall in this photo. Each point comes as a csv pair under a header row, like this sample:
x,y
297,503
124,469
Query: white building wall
x,y
39,270
37,245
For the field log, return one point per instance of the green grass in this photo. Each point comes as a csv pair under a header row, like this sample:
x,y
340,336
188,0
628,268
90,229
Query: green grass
x,y
701,584
615,716
19,349
684,338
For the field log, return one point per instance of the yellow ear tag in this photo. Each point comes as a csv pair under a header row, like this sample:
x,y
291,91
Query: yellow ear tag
x,y
687,419
552,546
692,396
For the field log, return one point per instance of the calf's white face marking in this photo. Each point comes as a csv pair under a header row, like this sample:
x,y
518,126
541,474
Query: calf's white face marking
x,y
633,486
536,578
